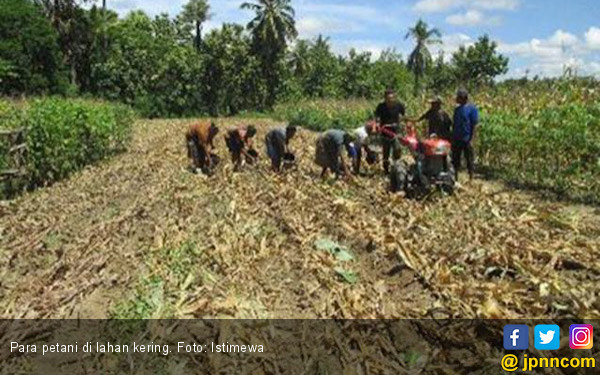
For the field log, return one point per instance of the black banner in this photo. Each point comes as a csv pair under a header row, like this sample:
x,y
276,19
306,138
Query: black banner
x,y
277,347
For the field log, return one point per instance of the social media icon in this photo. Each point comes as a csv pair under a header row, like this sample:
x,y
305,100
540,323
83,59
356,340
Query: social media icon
x,y
581,336
547,337
516,337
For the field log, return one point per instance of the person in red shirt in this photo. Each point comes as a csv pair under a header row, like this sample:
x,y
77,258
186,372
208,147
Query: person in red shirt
x,y
199,138
239,143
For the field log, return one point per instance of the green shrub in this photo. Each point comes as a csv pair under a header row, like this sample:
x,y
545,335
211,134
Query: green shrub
x,y
10,118
325,114
554,148
65,135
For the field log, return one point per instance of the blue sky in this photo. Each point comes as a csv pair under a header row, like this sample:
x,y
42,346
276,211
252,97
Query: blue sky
x,y
540,36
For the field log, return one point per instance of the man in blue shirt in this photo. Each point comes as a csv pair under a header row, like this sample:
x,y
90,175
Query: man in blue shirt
x,y
466,118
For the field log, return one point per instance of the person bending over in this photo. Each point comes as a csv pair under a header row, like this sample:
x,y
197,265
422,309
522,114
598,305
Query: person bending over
x,y
239,143
363,138
329,153
277,141
199,139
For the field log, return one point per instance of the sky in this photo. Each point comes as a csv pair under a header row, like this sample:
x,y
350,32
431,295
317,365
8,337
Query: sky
x,y
541,37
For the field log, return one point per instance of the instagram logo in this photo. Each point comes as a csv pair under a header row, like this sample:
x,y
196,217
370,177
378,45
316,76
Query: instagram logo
x,y
581,336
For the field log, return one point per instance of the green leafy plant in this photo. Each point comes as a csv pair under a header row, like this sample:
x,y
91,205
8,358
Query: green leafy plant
x,y
63,136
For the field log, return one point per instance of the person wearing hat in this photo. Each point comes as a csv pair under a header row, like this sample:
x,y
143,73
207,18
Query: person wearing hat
x,y
364,137
438,121
329,153
277,141
466,119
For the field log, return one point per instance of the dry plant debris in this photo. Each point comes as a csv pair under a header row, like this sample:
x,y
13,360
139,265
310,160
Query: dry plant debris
x,y
140,236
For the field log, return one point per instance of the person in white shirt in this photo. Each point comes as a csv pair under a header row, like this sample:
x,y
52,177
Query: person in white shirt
x,y
364,137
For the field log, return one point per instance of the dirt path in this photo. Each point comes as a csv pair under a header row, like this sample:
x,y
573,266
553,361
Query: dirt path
x,y
138,236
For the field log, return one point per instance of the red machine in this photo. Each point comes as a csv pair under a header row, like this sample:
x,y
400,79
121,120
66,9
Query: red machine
x,y
432,167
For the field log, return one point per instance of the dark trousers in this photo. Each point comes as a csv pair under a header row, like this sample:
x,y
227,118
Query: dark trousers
x,y
390,147
458,148
358,159
196,152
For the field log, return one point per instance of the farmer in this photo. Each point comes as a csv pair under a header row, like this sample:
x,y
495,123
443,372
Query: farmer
x,y
329,152
199,138
277,141
388,115
466,118
438,121
363,139
239,142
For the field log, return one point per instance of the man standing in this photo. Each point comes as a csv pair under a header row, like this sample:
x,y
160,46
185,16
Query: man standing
x,y
466,118
199,139
388,115
277,141
438,121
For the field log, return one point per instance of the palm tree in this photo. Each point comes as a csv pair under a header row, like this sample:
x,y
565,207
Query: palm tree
x,y
272,28
299,58
195,12
420,57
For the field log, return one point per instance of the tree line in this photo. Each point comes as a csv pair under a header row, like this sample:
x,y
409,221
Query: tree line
x,y
165,66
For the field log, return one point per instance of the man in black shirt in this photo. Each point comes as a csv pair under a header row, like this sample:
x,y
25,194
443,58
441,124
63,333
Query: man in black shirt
x,y
438,121
388,115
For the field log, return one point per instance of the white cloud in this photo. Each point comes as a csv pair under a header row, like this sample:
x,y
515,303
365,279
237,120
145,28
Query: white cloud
x,y
431,6
557,67
470,18
563,39
312,26
450,44
124,5
355,11
559,45
592,37
551,56
356,16
497,4
593,68
453,42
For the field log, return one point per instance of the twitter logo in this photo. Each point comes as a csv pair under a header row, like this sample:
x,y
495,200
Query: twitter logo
x,y
547,337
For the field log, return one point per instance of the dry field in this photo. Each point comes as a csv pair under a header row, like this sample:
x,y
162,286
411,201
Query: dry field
x,y
138,236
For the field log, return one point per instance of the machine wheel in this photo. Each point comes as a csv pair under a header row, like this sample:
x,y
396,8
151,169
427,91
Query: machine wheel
x,y
398,177
448,180
448,187
416,188
371,157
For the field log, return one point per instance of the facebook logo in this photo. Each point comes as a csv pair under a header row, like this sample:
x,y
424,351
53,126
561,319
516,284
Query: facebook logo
x,y
516,337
